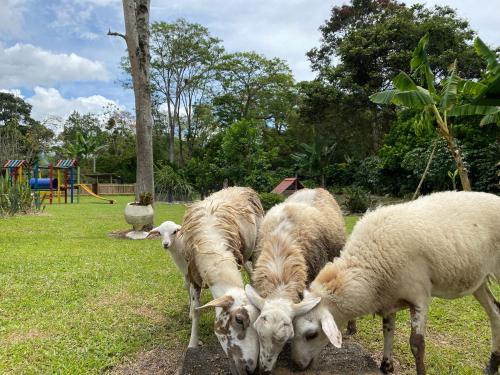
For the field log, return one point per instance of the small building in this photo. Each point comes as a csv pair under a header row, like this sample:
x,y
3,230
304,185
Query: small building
x,y
288,186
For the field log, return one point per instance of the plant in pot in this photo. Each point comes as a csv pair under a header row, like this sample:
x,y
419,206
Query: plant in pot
x,y
140,215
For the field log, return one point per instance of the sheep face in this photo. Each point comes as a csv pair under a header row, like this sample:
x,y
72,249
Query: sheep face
x,y
233,327
167,231
274,325
274,328
313,331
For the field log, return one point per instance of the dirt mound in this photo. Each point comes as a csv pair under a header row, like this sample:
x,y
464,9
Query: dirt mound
x,y
209,359
351,359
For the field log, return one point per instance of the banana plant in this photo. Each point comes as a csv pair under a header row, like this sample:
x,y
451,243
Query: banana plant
x,y
457,97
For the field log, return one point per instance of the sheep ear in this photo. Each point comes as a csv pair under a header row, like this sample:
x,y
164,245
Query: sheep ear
x,y
154,232
225,302
254,297
331,330
305,306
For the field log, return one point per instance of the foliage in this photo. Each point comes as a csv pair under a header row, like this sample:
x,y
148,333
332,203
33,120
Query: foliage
x,y
314,159
169,184
269,200
145,199
356,199
15,198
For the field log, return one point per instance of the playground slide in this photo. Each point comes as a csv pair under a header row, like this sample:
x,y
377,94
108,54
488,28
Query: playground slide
x,y
90,192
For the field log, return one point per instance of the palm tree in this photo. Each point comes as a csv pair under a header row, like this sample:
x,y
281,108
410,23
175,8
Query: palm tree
x,y
437,106
314,159
85,147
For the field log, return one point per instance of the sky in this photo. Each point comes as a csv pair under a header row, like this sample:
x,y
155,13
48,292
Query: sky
x,y
57,56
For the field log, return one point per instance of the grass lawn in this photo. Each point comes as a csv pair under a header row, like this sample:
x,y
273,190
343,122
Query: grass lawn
x,y
74,300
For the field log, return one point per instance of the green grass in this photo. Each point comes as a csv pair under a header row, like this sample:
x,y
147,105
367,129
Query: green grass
x,y
74,300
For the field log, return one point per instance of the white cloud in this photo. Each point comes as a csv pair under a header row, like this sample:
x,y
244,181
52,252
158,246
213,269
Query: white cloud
x,y
48,102
11,16
26,65
15,92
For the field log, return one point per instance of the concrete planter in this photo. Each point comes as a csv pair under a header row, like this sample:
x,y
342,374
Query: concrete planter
x,y
138,217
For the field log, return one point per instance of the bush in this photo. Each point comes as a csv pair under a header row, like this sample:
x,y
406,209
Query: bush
x,y
270,199
170,185
356,200
16,198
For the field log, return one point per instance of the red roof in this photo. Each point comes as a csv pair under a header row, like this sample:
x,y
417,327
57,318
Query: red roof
x,y
287,183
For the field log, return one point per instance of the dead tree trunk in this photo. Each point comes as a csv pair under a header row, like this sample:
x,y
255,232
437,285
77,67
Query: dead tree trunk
x,y
136,13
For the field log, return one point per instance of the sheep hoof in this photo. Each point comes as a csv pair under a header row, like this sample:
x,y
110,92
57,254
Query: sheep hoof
x,y
492,368
351,328
387,366
200,343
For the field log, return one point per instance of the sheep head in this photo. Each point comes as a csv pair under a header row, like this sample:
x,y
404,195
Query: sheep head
x,y
314,329
233,327
167,231
274,325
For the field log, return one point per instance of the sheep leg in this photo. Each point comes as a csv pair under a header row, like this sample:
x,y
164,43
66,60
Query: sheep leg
x,y
194,292
388,324
352,329
492,308
417,342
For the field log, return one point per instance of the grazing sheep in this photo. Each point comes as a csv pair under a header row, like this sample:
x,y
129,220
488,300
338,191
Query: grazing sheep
x,y
296,239
219,234
444,245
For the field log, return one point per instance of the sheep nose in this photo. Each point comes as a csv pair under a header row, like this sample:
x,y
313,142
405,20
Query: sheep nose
x,y
166,245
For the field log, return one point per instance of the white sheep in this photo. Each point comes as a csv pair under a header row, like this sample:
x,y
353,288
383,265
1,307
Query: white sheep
x,y
444,245
219,234
296,239
172,241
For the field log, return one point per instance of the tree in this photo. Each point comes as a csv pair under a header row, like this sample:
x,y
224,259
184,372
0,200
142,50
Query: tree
x,y
314,159
184,55
367,42
21,136
434,105
254,87
136,14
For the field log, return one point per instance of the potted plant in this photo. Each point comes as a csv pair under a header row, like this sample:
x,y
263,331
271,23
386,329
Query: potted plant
x,y
140,215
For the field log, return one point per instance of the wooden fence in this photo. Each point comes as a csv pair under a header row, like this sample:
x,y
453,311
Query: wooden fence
x,y
111,189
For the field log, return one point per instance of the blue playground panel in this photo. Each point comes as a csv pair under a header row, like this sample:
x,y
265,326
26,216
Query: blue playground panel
x,y
43,184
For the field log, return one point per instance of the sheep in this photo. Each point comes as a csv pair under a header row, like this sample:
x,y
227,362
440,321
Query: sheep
x,y
296,239
172,241
443,245
220,233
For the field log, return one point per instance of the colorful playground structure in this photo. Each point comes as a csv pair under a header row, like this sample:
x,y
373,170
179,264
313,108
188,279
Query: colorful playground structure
x,y
61,179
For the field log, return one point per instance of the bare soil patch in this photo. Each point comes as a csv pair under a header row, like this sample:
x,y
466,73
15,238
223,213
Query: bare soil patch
x,y
209,359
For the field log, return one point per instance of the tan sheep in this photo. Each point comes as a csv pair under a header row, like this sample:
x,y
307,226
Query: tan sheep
x,y
296,239
219,235
444,245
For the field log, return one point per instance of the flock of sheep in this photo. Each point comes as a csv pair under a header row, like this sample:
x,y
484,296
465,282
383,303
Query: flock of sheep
x,y
443,245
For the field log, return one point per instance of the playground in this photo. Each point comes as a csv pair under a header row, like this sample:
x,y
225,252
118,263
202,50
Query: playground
x,y
75,300
56,182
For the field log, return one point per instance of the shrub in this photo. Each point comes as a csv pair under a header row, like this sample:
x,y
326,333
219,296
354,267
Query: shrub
x,y
16,198
171,185
270,199
356,199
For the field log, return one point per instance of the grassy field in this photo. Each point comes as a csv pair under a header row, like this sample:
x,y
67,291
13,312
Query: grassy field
x,y
74,300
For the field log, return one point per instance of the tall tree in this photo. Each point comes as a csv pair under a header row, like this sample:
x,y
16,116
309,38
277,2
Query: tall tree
x,y
367,42
136,14
184,55
254,87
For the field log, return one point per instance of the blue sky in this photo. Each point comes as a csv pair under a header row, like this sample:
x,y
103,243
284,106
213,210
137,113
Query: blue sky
x,y
55,53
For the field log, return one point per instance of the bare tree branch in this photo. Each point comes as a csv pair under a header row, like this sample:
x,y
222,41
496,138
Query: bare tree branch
x,y
114,33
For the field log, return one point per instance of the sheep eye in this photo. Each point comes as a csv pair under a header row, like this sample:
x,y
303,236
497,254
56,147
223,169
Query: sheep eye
x,y
175,231
238,320
311,335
